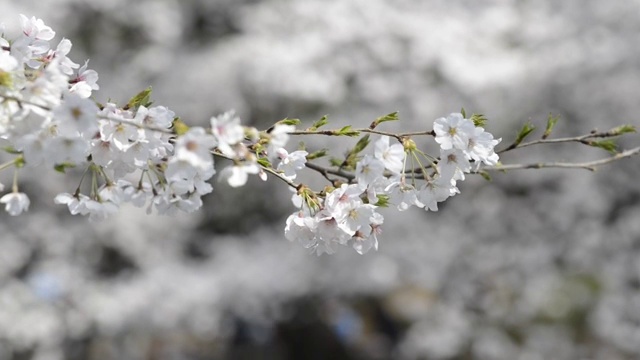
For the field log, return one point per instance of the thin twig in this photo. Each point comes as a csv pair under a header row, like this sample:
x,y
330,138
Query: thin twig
x,y
580,139
323,171
280,176
589,165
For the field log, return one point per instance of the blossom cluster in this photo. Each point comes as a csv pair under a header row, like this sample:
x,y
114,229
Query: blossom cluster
x,y
133,153
348,213
144,155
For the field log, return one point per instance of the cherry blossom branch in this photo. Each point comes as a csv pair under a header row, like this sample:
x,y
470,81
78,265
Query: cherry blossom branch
x,y
356,132
72,129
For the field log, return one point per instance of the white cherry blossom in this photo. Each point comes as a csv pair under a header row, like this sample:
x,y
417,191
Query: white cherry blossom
x,y
453,131
85,82
238,174
368,170
453,164
392,156
76,114
195,147
279,136
15,203
291,163
228,131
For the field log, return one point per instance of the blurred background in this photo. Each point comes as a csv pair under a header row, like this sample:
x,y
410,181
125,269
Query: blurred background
x,y
537,264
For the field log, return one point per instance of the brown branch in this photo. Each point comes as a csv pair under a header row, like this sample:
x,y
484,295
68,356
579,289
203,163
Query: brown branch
x,y
325,171
398,136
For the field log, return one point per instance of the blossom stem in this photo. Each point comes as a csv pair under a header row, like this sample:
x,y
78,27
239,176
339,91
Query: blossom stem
x,y
8,164
14,187
77,192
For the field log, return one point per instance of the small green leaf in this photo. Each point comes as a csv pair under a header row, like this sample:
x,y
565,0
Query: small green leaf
x,y
361,144
347,131
551,123
287,121
322,122
479,120
317,154
383,201
11,150
335,162
6,79
19,162
351,157
485,175
61,168
463,112
140,99
608,145
179,127
524,132
623,129
389,117
264,162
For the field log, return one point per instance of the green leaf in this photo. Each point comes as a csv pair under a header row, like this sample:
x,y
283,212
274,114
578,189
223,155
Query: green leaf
x,y
287,121
608,145
347,131
6,80
361,144
179,127
479,120
322,122
140,99
485,175
383,201
61,168
11,150
335,162
463,112
317,154
264,162
551,123
352,156
389,117
623,129
19,162
526,130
